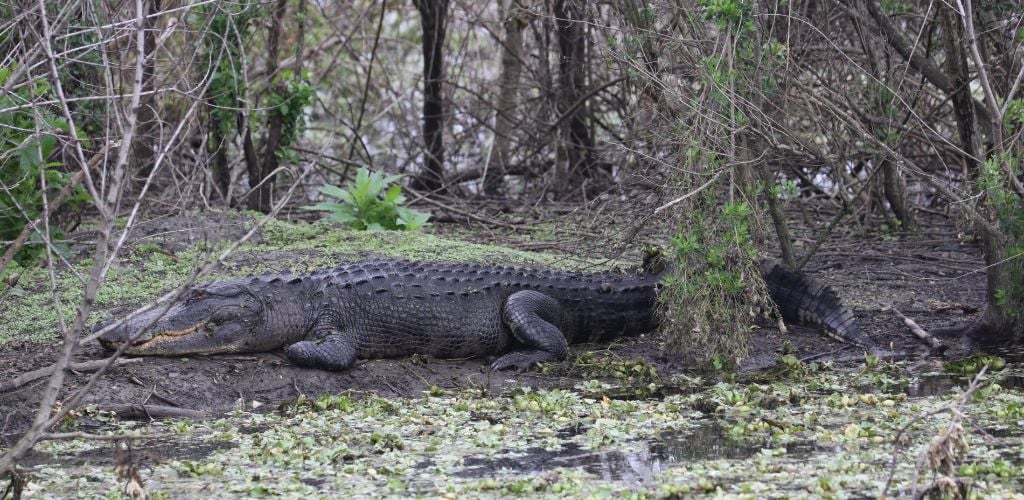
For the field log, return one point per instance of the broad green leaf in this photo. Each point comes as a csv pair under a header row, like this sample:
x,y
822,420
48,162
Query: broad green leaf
x,y
342,217
333,191
394,192
362,176
27,158
412,219
327,206
375,185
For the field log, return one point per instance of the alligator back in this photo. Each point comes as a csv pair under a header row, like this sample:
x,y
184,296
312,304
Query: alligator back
x,y
806,300
596,306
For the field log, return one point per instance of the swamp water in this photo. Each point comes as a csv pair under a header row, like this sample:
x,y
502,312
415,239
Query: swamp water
x,y
813,431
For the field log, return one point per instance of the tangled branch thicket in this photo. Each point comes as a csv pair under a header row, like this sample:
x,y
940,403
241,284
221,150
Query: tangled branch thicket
x,y
711,115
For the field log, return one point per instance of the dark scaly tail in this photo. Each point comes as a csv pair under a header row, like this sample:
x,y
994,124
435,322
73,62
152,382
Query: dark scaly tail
x,y
804,300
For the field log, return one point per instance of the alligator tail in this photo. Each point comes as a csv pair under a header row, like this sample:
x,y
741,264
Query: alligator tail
x,y
801,299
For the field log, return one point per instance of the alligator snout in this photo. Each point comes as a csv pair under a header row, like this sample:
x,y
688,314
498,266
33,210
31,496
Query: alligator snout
x,y
116,336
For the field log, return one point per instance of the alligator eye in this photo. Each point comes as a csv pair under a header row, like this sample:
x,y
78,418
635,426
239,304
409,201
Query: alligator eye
x,y
195,295
226,314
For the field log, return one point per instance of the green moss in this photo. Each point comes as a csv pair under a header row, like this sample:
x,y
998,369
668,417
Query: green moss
x,y
332,242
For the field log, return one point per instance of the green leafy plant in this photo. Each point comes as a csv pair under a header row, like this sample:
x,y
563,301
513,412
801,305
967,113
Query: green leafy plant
x,y
371,202
28,140
1014,115
1006,205
729,14
974,363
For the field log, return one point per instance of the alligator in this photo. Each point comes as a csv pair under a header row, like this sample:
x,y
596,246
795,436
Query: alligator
x,y
392,308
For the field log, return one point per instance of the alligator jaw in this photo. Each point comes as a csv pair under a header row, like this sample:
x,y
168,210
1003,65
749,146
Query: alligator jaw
x,y
145,343
164,336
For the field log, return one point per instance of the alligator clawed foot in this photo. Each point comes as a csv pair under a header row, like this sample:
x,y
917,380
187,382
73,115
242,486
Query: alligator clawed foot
x,y
520,361
513,367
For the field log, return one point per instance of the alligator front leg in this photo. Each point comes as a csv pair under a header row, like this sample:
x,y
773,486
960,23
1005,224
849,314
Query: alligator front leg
x,y
330,349
532,316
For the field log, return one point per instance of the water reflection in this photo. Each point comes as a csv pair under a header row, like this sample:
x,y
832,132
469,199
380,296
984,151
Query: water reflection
x,y
937,384
708,441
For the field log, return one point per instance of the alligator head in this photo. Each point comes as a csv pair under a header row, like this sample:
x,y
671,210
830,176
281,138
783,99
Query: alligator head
x,y
225,316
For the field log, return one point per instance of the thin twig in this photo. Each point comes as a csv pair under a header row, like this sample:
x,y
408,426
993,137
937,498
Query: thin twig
x,y
956,407
691,193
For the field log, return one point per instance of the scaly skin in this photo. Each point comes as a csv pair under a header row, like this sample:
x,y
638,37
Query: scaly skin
x,y
385,308
382,308
804,300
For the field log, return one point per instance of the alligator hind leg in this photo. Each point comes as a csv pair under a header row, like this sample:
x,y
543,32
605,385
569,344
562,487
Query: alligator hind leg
x,y
532,317
331,351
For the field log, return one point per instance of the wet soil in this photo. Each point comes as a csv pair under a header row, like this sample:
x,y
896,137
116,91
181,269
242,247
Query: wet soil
x,y
928,276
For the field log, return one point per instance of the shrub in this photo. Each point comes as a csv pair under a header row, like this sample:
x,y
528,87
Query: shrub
x,y
28,138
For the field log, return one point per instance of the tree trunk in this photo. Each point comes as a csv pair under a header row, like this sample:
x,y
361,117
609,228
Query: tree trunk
x,y
508,95
572,82
219,160
892,188
775,211
960,91
262,184
249,154
144,150
433,15
1003,320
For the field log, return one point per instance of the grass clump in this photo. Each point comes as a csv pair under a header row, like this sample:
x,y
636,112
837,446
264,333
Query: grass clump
x,y
708,302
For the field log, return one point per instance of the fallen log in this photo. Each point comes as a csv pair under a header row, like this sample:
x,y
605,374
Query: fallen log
x,y
83,366
128,410
937,347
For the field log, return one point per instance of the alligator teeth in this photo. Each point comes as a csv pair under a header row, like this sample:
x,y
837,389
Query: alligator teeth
x,y
161,336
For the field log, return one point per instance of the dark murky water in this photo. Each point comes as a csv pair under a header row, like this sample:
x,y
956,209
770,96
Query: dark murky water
x,y
708,441
937,384
1013,354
